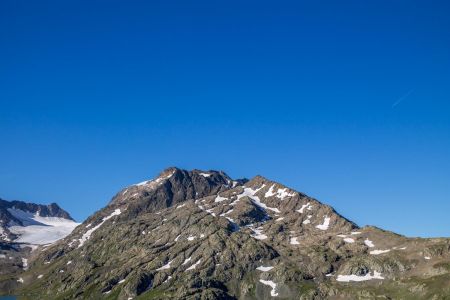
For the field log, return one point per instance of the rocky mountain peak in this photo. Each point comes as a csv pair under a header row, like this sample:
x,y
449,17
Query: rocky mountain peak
x,y
169,171
202,235
174,185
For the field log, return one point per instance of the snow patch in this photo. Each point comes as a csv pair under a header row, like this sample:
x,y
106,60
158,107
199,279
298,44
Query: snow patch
x,y
270,192
308,220
258,233
369,243
304,206
187,260
220,199
165,267
349,240
39,230
283,193
249,192
272,284
326,223
210,211
25,263
194,265
294,241
378,252
88,233
264,269
157,181
226,213
368,276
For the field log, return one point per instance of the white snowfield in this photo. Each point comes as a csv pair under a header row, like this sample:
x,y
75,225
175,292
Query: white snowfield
x,y
258,233
194,265
378,252
272,284
264,269
369,243
280,193
249,192
326,223
294,241
165,267
187,260
220,198
352,277
283,193
308,220
40,230
307,206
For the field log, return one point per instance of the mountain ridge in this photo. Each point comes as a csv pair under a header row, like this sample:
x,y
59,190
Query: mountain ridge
x,y
202,235
15,213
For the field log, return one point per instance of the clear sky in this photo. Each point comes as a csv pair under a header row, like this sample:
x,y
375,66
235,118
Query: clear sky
x,y
347,101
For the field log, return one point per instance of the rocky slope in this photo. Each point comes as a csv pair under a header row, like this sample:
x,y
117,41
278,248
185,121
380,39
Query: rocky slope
x,y
201,235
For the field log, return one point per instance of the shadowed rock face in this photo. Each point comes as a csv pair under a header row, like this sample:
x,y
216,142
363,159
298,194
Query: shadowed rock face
x,y
171,187
51,210
201,235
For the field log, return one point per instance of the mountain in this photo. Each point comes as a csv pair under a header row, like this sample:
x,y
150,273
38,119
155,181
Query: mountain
x,y
202,235
33,224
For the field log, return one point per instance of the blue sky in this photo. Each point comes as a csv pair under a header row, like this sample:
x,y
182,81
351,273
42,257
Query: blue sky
x,y
348,101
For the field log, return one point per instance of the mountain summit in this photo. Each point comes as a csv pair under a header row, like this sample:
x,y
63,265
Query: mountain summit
x,y
202,235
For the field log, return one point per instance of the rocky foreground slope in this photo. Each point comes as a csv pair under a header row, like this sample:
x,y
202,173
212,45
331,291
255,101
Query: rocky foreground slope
x,y
202,235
